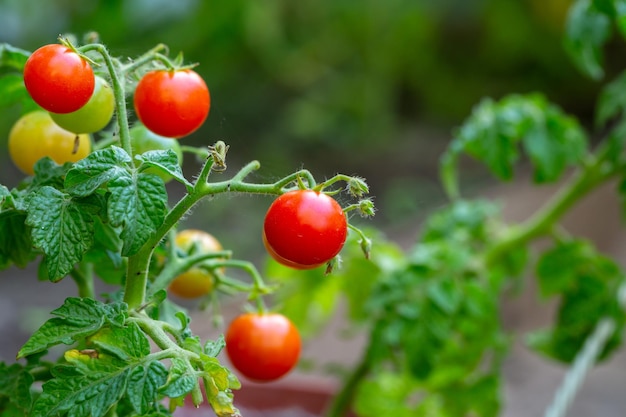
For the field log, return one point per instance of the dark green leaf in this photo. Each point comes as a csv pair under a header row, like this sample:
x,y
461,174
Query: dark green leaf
x,y
143,386
15,242
15,385
75,319
61,227
93,384
97,169
137,204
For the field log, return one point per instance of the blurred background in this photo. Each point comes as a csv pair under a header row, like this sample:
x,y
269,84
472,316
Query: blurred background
x,y
360,87
369,87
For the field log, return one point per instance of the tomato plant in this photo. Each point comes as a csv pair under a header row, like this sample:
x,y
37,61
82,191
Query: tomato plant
x,y
304,229
196,281
99,213
263,346
94,116
35,136
172,103
58,79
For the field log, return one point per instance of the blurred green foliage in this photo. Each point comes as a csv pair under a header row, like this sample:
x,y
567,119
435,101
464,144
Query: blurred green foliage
x,y
335,85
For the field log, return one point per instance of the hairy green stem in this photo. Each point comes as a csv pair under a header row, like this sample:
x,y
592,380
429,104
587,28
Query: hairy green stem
x,y
119,94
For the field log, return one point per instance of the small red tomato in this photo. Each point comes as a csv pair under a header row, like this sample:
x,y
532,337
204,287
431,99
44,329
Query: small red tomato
x,y
58,79
172,103
304,229
263,347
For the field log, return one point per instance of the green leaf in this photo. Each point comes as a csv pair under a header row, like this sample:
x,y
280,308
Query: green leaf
x,y
386,395
164,160
75,319
180,381
587,30
12,57
137,204
122,342
612,100
587,284
493,132
15,384
15,239
88,387
13,92
143,385
61,227
213,348
95,170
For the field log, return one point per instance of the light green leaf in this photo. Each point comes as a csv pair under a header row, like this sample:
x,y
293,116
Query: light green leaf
x,y
123,342
13,57
164,160
180,381
587,30
61,227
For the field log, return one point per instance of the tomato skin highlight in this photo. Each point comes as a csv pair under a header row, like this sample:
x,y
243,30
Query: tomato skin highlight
x,y
304,229
35,135
58,79
196,281
172,103
263,346
94,115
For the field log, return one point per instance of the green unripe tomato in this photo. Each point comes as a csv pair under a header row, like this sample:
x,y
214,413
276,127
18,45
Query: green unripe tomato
x,y
93,116
143,140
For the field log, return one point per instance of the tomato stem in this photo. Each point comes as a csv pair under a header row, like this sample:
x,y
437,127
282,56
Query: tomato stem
x,y
117,85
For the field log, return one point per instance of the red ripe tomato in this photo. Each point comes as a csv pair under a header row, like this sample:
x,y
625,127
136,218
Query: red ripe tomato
x,y
172,103
58,79
304,229
263,347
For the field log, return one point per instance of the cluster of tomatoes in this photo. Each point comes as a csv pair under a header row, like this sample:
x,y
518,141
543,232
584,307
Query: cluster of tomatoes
x,y
76,102
303,229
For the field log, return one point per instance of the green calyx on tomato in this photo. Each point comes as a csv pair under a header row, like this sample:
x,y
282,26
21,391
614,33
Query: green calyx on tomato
x,y
35,135
58,79
172,103
196,281
143,140
263,346
304,229
94,115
